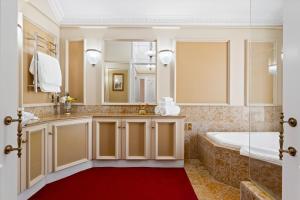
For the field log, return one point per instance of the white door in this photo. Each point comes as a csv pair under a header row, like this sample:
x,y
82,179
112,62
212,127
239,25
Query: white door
x,y
291,98
9,81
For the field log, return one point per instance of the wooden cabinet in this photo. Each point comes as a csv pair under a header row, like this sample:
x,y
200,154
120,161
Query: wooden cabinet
x,y
72,142
60,145
33,161
168,139
140,138
108,139
137,139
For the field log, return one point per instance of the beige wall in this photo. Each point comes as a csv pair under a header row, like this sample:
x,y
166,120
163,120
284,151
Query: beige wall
x,y
76,70
166,39
261,82
202,72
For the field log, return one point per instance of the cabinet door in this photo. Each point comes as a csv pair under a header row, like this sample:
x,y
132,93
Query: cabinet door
x,y
168,139
72,142
35,154
108,139
137,139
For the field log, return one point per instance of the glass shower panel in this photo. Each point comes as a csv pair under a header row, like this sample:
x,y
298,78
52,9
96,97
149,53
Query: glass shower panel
x,y
264,94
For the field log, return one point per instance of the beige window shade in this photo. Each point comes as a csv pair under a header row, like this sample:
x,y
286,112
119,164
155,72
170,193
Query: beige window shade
x,y
76,71
202,72
260,80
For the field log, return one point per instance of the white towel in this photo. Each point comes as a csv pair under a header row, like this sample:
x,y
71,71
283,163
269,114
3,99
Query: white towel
x,y
49,73
166,99
170,111
27,117
168,103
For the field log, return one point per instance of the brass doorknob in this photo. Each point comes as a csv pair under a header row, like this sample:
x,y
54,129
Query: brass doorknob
x,y
7,121
291,150
291,121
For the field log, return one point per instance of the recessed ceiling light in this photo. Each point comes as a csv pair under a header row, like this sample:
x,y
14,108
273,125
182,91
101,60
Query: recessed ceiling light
x,y
166,27
94,27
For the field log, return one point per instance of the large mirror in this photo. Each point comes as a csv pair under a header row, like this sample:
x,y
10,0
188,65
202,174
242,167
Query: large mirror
x,y
129,72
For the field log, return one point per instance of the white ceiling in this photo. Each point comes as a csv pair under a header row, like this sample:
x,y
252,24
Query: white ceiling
x,y
167,12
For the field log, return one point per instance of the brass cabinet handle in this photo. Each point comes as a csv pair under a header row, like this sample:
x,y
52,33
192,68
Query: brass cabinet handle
x,y
7,121
291,150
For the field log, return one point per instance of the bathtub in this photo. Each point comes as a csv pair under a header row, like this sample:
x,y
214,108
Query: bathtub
x,y
264,145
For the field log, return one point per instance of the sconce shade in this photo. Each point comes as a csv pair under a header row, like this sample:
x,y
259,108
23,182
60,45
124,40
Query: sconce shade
x,y
93,56
165,56
272,69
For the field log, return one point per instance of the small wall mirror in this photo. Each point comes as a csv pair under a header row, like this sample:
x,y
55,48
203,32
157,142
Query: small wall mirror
x,y
129,72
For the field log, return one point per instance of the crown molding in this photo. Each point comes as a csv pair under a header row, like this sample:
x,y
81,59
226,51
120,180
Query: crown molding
x,y
57,10
166,21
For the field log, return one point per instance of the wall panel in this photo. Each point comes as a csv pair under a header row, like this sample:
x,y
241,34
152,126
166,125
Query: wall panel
x,y
202,71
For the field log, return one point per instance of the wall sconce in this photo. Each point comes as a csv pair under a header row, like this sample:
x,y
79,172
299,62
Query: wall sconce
x,y
93,56
165,56
272,69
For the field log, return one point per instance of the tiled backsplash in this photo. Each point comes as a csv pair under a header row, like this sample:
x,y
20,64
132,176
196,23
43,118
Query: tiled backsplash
x,y
203,119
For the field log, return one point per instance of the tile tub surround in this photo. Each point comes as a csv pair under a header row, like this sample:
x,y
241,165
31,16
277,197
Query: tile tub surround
x,y
228,166
249,191
268,176
227,119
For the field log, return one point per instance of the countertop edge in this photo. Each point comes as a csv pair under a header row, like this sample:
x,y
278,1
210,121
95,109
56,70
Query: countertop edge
x,y
53,118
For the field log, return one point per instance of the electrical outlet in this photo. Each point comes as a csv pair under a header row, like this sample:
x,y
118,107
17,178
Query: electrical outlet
x,y
188,126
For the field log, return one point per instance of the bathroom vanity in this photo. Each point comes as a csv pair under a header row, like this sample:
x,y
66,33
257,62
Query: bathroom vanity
x,y
61,145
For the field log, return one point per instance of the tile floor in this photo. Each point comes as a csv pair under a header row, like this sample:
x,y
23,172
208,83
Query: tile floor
x,y
205,186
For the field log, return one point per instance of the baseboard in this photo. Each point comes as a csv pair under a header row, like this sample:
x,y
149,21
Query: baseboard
x,y
49,178
137,163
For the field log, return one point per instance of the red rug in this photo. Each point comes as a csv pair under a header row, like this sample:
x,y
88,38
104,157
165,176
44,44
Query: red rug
x,y
121,184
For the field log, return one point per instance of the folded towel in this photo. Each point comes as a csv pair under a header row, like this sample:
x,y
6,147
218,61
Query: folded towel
x,y
49,73
170,111
168,103
167,99
28,117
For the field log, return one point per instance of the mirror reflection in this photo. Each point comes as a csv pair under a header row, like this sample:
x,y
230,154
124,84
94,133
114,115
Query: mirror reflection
x,y
129,72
